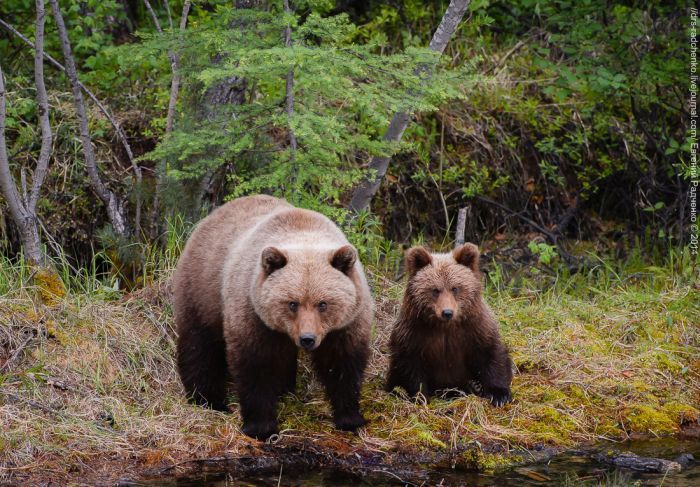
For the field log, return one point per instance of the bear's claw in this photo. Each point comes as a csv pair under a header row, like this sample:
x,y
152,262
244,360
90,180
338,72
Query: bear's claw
x,y
499,398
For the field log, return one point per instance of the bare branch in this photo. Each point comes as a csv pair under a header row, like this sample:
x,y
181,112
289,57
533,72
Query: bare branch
x,y
153,16
9,189
170,117
170,17
461,224
42,101
175,65
120,133
22,206
367,188
290,87
114,204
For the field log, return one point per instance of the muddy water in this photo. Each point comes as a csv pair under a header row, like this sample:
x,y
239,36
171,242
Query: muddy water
x,y
571,469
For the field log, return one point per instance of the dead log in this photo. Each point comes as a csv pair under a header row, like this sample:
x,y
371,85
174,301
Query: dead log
x,y
635,462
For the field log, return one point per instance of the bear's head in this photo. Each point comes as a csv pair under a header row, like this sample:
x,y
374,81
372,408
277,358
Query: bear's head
x,y
444,286
307,292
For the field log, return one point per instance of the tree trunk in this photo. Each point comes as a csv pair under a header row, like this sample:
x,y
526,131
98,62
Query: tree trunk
x,y
23,206
230,91
116,207
162,166
42,164
117,128
289,98
362,196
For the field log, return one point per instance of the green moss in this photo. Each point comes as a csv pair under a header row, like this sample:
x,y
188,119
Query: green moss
x,y
547,424
645,419
681,413
51,288
476,459
425,435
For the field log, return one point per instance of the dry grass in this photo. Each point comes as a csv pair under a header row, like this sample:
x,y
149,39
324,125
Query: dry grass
x,y
89,391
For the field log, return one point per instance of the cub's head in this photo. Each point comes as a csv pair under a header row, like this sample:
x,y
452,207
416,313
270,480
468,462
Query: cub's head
x,y
306,293
444,286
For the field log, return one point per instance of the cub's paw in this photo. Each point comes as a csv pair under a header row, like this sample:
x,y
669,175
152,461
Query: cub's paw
x,y
350,422
498,396
260,430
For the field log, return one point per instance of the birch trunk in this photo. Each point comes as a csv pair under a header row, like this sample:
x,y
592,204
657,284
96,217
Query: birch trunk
x,y
23,206
362,196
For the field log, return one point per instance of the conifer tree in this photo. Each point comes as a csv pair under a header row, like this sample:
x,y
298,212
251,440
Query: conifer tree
x,y
307,140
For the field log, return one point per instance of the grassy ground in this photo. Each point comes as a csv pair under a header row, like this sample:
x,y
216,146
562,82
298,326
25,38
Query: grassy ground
x,y
89,391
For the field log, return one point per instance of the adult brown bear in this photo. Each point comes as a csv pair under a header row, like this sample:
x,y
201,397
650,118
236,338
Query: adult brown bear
x,y
258,280
446,337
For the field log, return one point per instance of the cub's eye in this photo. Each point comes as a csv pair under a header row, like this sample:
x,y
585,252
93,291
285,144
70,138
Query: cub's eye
x,y
455,290
436,292
293,305
322,306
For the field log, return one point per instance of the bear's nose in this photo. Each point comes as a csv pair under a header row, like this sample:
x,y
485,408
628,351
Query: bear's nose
x,y
307,341
447,313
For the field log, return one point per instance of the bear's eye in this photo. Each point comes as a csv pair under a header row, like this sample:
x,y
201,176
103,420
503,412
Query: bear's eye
x,y
293,305
436,292
455,290
322,306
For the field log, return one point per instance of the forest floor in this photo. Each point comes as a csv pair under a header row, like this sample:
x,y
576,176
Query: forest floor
x,y
89,391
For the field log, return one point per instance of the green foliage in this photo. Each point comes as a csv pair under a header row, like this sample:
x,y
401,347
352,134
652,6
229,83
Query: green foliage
x,y
545,252
344,96
577,103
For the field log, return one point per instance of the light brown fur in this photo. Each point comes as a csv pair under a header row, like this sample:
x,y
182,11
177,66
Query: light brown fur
x,y
242,267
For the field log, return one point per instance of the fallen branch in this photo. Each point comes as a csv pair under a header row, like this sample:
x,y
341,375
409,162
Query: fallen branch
x,y
551,236
635,462
18,351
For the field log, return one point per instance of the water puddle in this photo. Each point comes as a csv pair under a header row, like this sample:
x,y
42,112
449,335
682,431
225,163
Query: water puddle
x,y
571,469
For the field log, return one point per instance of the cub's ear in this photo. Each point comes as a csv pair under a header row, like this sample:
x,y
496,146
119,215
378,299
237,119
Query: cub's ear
x,y
416,259
344,258
273,259
468,256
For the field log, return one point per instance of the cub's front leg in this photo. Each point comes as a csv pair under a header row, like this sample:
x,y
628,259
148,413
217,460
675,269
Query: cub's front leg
x,y
495,373
407,372
340,363
262,370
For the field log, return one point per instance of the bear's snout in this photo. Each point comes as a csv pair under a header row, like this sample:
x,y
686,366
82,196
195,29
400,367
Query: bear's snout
x,y
307,341
447,313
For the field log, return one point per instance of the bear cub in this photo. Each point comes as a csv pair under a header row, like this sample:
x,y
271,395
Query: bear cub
x,y
446,336
257,281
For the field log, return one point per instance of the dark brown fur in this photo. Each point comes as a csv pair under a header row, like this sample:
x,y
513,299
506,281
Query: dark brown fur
x,y
431,353
240,270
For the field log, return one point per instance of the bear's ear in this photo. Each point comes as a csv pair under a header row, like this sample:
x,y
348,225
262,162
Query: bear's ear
x,y
416,259
467,255
344,258
273,259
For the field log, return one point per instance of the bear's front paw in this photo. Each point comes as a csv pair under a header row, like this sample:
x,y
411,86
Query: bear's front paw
x,y
350,422
260,430
499,396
